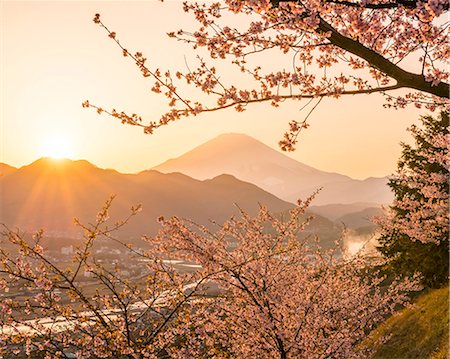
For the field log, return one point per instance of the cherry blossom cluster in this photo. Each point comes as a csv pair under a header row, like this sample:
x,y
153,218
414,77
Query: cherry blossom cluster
x,y
275,296
280,296
59,318
368,40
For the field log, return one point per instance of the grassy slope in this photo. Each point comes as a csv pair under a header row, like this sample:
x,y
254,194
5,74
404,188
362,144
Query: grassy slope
x,y
421,331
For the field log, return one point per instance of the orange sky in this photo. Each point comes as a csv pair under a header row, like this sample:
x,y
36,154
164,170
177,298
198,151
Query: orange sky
x,y
54,57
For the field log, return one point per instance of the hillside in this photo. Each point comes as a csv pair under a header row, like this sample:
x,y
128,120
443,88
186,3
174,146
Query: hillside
x,y
6,169
251,160
421,331
49,194
336,210
361,218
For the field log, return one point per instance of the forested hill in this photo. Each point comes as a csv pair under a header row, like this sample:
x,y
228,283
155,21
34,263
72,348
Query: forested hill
x,y
50,193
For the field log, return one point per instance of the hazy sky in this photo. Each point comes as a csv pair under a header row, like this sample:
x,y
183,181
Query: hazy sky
x,y
54,57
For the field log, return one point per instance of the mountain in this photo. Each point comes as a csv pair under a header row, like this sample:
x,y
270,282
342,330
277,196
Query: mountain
x,y
252,161
373,189
337,210
361,218
50,193
6,169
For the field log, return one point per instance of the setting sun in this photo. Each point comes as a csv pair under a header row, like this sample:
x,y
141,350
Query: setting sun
x,y
56,147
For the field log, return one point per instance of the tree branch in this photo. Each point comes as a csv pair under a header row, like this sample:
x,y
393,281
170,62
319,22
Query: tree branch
x,y
403,78
410,4
390,5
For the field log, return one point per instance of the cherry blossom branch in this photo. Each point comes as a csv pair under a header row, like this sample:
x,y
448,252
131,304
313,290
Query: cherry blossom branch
x,y
411,4
376,39
140,62
403,77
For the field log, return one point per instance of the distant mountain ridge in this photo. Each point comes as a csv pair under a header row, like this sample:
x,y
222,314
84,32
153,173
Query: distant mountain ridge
x,y
363,218
336,211
50,193
251,160
6,169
